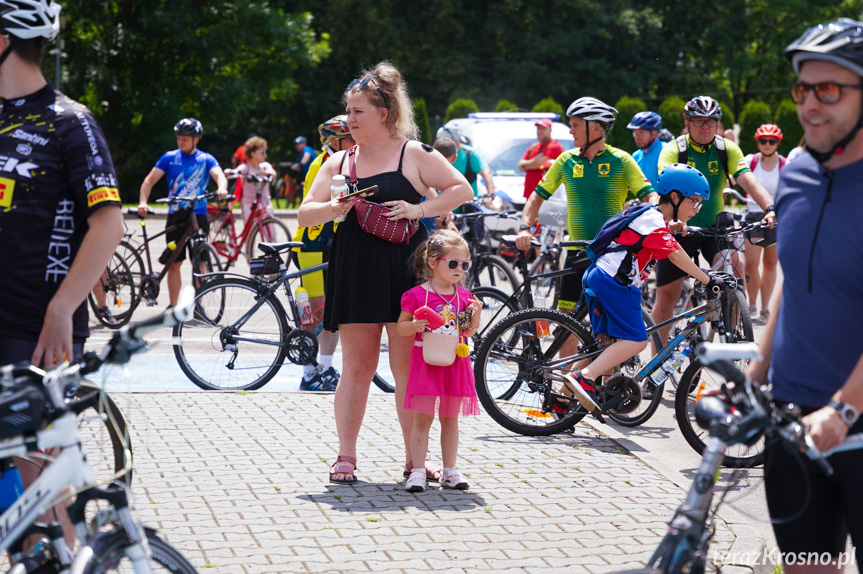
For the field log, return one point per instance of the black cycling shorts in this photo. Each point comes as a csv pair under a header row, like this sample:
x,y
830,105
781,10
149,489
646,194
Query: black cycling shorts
x,y
824,510
181,218
667,272
756,236
570,284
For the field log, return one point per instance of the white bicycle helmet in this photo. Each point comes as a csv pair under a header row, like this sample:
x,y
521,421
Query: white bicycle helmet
x,y
28,19
592,110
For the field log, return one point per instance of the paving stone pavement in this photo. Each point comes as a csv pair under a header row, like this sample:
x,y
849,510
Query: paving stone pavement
x,y
238,483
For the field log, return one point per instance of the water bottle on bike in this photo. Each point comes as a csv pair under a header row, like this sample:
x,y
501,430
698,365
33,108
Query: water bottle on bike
x,y
671,365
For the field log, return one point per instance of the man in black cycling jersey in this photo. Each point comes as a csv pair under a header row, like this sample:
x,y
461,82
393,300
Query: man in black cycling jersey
x,y
60,218
58,197
813,352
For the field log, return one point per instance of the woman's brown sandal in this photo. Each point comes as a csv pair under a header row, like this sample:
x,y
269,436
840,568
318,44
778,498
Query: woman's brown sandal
x,y
344,469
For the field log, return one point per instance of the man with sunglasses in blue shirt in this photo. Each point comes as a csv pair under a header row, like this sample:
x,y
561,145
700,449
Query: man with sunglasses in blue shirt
x,y
813,352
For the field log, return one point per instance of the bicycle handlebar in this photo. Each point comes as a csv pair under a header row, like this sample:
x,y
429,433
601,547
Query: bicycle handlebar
x,y
734,193
719,232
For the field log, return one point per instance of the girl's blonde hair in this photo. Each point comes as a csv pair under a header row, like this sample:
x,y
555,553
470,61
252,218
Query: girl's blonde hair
x,y
386,78
437,245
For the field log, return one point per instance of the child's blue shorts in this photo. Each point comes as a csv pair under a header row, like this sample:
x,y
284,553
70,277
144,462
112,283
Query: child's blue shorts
x,y
614,309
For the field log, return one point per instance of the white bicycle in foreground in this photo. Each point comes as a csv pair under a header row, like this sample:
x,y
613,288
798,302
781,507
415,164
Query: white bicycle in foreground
x,y
111,539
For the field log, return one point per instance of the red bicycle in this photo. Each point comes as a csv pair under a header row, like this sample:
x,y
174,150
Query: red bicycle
x,y
261,226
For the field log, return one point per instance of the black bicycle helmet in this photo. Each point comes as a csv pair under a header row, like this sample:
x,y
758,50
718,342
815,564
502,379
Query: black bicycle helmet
x,y
702,107
189,127
839,41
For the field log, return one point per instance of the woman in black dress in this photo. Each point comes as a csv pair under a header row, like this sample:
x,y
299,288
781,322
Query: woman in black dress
x,y
368,275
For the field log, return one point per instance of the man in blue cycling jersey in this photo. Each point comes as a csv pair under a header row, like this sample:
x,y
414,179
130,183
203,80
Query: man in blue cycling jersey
x,y
812,348
189,170
645,128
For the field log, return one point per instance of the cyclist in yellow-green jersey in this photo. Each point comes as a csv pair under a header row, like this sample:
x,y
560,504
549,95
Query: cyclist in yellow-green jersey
x,y
701,117
597,179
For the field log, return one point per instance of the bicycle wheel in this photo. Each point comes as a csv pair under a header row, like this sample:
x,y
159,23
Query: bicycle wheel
x,y
108,552
695,382
651,397
235,341
113,297
510,380
205,259
547,288
383,384
495,306
271,230
738,321
221,238
492,271
104,437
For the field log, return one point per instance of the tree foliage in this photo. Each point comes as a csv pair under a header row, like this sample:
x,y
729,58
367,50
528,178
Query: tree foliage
x,y
786,118
754,114
460,108
506,106
619,136
671,111
421,117
549,105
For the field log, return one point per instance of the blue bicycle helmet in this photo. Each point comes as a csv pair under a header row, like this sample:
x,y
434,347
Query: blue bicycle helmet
x,y
684,179
645,121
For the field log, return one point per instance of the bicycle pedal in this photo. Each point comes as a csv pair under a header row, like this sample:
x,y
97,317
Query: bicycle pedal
x,y
152,302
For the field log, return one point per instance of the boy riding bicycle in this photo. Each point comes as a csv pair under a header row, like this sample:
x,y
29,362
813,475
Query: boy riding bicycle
x,y
640,237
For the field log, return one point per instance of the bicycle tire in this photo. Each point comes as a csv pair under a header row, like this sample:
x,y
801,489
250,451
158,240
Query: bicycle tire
x,y
383,384
633,365
279,234
737,319
694,382
204,351
105,552
547,288
205,259
496,305
118,285
490,270
97,414
509,379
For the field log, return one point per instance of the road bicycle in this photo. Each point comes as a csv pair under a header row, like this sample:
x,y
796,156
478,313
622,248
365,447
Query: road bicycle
x,y
520,364
241,333
261,225
749,415
112,538
127,280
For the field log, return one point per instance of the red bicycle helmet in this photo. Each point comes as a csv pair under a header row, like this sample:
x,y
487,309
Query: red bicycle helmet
x,y
769,131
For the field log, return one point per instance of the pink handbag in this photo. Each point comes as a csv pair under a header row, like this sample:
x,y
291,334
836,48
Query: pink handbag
x,y
372,216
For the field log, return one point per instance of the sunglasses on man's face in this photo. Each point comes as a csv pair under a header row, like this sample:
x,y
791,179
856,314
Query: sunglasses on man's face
x,y
365,83
768,141
825,92
453,264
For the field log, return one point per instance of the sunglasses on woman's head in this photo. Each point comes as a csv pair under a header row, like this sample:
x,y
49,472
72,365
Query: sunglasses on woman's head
x,y
825,92
454,263
365,83
768,141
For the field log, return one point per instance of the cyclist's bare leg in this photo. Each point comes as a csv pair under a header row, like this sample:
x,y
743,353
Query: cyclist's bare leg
x,y
361,349
175,282
768,276
612,356
663,308
753,277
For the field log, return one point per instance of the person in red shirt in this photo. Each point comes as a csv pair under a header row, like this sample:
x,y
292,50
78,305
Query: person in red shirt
x,y
537,154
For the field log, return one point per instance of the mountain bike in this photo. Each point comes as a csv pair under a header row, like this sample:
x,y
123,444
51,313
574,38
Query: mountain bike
x,y
261,226
127,280
520,364
749,415
112,538
488,268
241,333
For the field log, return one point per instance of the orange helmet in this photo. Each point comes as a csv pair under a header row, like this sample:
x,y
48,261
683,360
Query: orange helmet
x,y
768,130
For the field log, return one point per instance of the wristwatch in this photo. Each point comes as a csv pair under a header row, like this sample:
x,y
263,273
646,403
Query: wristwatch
x,y
848,413
771,207
524,227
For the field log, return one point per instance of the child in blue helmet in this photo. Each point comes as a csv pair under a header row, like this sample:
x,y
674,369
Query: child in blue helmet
x,y
612,284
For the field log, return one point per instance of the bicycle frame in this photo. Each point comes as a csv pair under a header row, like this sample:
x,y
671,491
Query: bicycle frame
x,y
188,237
256,215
